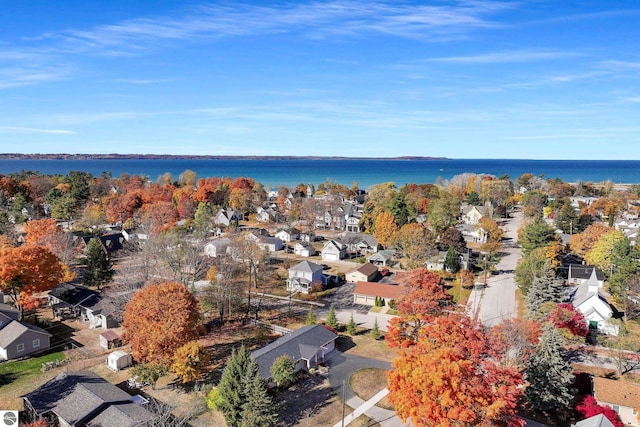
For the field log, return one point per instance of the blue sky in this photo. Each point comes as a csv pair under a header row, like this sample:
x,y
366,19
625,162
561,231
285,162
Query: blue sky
x,y
462,79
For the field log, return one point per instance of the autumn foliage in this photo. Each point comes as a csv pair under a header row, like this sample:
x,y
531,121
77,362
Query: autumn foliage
x,y
424,299
28,270
449,377
159,319
565,316
589,407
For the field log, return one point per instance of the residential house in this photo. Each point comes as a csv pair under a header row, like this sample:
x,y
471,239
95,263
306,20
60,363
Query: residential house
x,y
110,243
622,396
17,338
629,228
303,276
381,258
366,292
217,247
471,215
79,399
436,262
304,249
367,272
595,421
360,244
264,241
594,307
265,215
473,233
333,250
69,300
226,218
307,346
579,274
288,234
352,224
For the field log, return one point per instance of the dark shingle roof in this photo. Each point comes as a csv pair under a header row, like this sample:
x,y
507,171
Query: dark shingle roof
x,y
122,415
76,295
302,343
9,311
578,271
79,397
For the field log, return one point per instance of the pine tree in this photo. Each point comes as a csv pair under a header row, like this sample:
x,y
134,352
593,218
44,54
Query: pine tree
x,y
550,377
375,331
311,318
352,328
332,320
232,394
99,269
542,290
258,409
451,261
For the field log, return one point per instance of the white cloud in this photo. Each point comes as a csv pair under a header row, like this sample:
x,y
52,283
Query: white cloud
x,y
16,129
505,57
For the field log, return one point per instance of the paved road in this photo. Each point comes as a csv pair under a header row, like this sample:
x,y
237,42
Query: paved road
x,y
497,302
341,367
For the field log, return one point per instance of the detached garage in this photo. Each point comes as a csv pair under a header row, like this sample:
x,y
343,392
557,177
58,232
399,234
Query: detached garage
x,y
365,293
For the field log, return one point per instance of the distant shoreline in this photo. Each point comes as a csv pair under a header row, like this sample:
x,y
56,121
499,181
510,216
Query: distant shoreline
x,y
116,156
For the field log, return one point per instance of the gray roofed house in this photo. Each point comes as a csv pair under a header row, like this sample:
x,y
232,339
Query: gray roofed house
x,y
596,421
81,301
307,346
9,311
586,298
81,398
579,274
303,276
19,339
382,257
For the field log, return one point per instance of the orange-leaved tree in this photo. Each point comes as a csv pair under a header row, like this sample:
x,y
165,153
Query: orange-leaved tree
x,y
385,228
159,319
46,233
424,299
28,270
450,378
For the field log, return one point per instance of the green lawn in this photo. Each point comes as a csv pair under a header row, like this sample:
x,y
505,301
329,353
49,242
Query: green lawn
x,y
23,368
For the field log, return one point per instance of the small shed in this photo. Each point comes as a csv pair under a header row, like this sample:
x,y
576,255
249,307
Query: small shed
x,y
109,340
119,360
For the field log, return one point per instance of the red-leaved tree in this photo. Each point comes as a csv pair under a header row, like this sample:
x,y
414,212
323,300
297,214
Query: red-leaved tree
x,y
424,299
565,316
589,407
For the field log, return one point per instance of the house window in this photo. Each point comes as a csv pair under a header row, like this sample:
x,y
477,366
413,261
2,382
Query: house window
x,y
616,408
634,411
20,348
36,343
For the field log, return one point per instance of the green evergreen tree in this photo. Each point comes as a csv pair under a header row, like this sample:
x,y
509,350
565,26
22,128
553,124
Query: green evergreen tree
x,y
258,409
283,371
352,328
566,218
203,216
531,266
232,394
311,318
451,261
543,289
332,320
375,331
550,377
99,269
536,234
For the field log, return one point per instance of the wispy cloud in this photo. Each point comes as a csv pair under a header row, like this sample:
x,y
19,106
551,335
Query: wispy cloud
x,y
313,20
144,81
14,77
16,129
505,57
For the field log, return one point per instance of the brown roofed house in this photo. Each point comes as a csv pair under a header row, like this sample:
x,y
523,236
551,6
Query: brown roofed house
x,y
366,292
364,273
622,396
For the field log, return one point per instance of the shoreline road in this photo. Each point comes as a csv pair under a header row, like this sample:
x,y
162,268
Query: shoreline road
x,y
497,301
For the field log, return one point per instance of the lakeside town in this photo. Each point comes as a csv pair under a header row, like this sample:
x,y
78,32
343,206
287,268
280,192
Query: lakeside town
x,y
209,302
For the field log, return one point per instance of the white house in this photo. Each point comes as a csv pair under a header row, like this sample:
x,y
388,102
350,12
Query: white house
x,y
288,234
304,249
217,247
333,250
226,218
303,276
471,215
594,307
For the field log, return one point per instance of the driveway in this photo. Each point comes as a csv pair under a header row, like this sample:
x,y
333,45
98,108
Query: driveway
x,y
341,367
497,301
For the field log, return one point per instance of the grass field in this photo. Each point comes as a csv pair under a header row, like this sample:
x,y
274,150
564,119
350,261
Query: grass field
x,y
18,378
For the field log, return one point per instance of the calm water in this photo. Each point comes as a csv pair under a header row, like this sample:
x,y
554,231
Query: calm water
x,y
365,172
